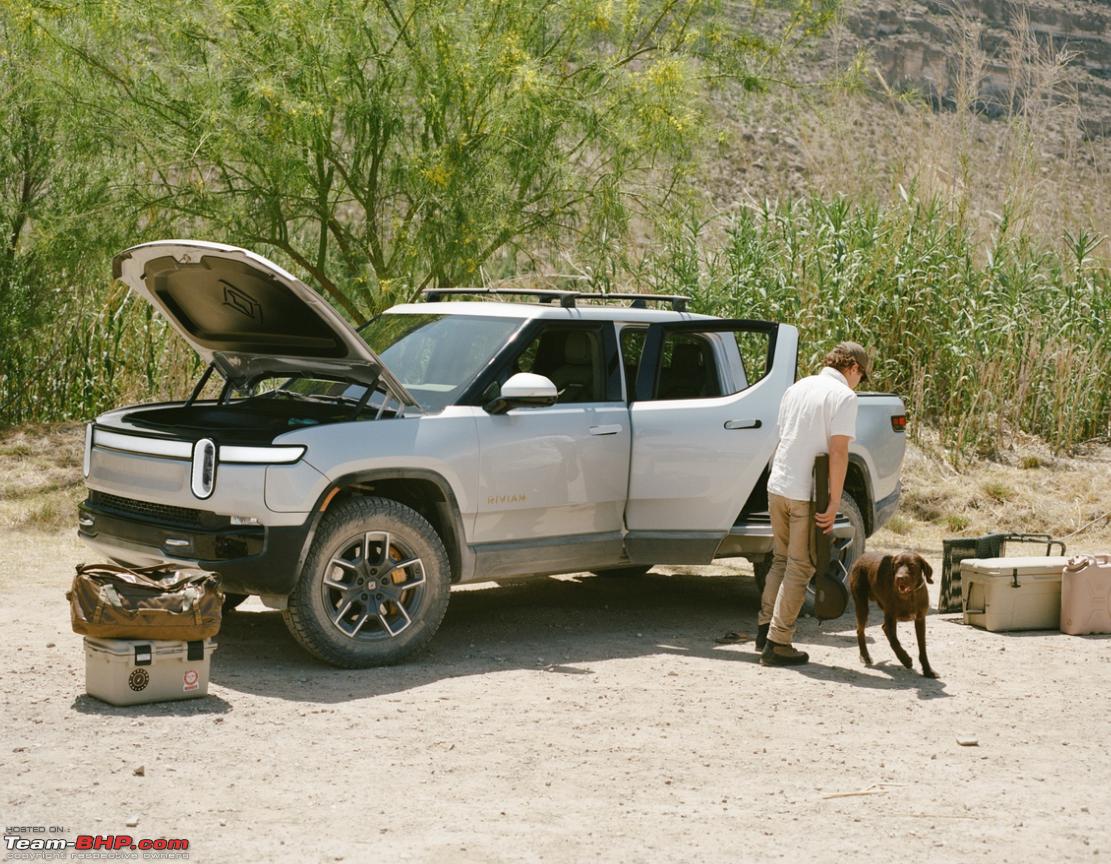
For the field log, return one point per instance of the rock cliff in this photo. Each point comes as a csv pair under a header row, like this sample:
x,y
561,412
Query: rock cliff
x,y
911,43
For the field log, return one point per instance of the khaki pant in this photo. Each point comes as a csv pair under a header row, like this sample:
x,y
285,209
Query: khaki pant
x,y
792,567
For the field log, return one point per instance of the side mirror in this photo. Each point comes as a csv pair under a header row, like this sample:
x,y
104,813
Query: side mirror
x,y
524,390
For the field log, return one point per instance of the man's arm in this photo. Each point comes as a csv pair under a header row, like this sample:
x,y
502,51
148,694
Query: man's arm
x,y
838,466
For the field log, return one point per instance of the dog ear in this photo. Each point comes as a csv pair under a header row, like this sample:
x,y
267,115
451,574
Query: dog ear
x,y
885,573
927,570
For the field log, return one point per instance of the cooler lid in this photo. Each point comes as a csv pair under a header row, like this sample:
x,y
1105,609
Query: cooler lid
x,y
1030,565
158,647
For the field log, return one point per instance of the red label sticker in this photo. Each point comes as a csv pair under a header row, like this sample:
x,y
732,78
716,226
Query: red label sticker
x,y
191,680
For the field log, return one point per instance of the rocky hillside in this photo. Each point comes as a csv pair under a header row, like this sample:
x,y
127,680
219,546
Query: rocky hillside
x,y
911,42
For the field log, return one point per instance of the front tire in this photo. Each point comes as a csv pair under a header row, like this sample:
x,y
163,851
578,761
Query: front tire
x,y
374,588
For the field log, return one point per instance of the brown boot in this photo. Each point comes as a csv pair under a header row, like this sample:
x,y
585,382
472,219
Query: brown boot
x,y
775,654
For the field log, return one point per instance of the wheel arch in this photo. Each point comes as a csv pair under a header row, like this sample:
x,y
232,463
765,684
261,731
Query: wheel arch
x,y
426,492
858,484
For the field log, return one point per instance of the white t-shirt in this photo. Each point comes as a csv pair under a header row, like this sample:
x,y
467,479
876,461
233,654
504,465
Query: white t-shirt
x,y
813,410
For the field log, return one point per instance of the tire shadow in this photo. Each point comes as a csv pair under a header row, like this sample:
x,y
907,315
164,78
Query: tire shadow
x,y
559,625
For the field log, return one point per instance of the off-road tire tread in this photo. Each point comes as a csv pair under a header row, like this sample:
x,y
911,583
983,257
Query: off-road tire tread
x,y
307,631
848,503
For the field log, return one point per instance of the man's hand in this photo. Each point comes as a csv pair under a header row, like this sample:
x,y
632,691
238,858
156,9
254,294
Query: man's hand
x,y
825,519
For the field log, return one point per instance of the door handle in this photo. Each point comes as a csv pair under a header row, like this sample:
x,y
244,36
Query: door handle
x,y
743,424
612,429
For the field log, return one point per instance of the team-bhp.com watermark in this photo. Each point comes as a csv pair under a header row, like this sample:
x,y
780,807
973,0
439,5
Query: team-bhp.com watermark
x,y
89,847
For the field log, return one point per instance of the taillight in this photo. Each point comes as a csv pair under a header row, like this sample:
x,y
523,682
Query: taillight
x,y
204,468
87,464
898,422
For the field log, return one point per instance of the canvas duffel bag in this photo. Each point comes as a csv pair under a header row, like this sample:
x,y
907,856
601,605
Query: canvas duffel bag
x,y
159,602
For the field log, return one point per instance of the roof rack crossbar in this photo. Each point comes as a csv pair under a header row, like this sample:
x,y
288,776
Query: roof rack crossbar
x,y
545,295
567,299
678,302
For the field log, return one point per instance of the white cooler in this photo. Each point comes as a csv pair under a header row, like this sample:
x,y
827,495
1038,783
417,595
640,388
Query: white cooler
x,y
133,671
1012,593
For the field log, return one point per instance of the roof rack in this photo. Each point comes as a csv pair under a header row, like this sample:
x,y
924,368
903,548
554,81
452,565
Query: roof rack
x,y
566,299
640,301
546,295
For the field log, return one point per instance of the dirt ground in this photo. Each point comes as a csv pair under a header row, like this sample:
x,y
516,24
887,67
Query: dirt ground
x,y
567,719
580,718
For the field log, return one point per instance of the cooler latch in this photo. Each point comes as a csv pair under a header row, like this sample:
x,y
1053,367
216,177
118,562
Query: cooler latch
x,y
142,655
194,650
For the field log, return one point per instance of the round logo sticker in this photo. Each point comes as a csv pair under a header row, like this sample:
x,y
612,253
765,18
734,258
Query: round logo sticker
x,y
190,680
138,680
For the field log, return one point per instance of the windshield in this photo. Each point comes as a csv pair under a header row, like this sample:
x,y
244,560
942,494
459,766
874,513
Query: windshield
x,y
436,356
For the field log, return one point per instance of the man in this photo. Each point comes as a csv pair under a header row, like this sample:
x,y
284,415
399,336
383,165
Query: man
x,y
817,415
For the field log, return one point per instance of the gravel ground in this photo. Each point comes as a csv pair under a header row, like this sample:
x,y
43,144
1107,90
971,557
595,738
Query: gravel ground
x,y
566,720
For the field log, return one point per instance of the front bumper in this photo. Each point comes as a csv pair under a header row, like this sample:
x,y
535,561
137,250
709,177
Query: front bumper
x,y
251,559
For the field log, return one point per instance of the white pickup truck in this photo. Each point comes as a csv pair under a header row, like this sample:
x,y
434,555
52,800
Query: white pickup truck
x,y
350,477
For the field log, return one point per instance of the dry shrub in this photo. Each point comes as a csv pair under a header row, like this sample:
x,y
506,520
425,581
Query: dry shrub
x,y
1006,156
41,484
939,502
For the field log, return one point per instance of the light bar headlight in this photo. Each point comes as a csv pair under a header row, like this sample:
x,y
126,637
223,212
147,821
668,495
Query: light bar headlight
x,y
262,455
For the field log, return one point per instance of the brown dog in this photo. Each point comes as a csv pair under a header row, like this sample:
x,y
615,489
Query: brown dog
x,y
898,585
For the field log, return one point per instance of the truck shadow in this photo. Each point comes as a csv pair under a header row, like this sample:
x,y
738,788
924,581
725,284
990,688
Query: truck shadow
x,y
557,625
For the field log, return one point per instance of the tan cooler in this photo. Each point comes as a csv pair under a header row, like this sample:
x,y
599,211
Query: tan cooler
x,y
133,671
1012,593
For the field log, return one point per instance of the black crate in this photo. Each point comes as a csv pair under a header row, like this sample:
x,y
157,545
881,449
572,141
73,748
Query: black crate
x,y
953,552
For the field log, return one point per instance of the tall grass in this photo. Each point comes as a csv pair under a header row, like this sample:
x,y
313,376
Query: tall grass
x,y
1018,342
95,354
981,342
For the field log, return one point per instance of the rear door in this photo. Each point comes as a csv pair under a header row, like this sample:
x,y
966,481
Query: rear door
x,y
703,420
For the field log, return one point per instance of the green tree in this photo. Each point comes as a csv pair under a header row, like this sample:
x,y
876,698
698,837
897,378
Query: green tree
x,y
59,210
387,145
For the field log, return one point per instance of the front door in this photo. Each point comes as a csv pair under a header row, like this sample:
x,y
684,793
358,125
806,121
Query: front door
x,y
704,428
552,480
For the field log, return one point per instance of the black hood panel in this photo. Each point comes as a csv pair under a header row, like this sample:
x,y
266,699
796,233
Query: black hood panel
x,y
247,315
231,307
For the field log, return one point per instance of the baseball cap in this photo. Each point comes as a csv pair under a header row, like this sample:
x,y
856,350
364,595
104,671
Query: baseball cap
x,y
859,355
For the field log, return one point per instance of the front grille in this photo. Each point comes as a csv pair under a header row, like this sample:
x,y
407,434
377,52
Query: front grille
x,y
166,513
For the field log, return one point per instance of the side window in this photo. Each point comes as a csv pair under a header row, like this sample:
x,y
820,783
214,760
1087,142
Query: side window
x,y
572,357
692,360
754,347
688,369
632,346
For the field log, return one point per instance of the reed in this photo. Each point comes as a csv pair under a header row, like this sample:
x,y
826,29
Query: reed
x,y
980,342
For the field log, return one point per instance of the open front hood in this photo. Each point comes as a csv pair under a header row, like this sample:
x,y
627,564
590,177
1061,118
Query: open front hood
x,y
247,315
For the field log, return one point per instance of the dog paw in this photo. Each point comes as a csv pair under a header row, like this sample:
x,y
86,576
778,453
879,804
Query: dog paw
x,y
905,660
929,673
865,659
